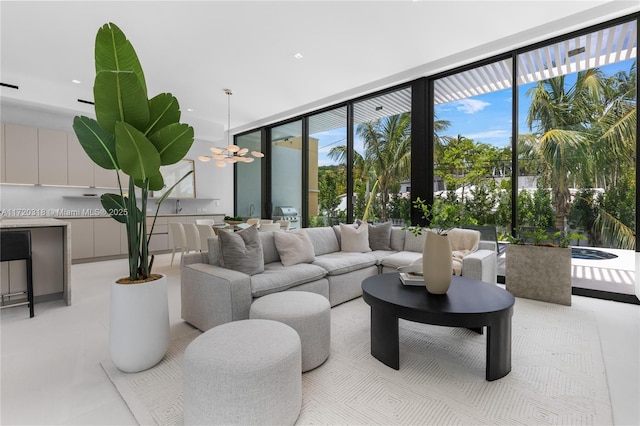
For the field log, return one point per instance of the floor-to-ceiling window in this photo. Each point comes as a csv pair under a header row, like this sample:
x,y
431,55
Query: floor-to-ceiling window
x,y
327,167
577,150
382,157
569,125
249,178
287,147
472,145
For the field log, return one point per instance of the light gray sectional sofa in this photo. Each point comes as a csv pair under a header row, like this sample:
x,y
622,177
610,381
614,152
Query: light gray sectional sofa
x,y
214,295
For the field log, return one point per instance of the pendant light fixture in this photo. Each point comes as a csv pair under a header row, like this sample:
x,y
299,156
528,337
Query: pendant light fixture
x,y
231,153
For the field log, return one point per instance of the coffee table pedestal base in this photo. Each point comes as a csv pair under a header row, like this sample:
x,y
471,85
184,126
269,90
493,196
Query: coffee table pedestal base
x,y
385,343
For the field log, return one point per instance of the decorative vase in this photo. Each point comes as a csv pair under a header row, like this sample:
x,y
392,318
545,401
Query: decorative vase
x,y
139,324
437,263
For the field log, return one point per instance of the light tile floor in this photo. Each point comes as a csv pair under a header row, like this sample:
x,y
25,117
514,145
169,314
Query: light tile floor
x,y
51,371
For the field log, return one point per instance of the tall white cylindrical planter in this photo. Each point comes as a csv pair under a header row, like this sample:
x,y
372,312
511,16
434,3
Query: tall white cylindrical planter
x,y
139,332
437,263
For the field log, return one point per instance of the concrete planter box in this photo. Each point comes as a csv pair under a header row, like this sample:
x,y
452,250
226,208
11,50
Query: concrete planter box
x,y
539,273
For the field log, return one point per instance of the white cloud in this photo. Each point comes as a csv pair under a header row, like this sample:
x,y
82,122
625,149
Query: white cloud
x,y
471,106
490,134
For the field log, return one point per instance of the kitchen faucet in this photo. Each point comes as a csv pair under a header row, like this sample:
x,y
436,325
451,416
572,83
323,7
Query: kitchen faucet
x,y
178,208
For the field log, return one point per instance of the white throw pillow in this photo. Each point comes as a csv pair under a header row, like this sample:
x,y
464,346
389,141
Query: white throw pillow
x,y
294,247
355,239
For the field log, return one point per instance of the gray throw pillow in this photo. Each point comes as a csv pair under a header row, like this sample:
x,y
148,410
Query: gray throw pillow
x,y
242,250
380,236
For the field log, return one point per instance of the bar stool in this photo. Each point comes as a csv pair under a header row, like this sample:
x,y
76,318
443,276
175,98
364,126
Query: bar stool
x,y
16,245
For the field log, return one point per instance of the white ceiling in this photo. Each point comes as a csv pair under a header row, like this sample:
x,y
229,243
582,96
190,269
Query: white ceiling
x,y
195,49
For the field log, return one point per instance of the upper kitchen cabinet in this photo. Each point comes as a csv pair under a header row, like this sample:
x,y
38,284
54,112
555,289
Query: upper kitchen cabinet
x,y
80,166
21,154
3,173
52,157
105,178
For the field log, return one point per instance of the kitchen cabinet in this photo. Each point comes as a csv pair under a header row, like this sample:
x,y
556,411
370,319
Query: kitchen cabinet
x,y
21,152
106,237
3,163
52,157
81,238
80,166
160,237
95,237
105,178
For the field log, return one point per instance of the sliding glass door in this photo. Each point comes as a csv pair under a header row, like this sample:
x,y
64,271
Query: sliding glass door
x,y
382,157
472,147
287,148
327,167
249,178
577,150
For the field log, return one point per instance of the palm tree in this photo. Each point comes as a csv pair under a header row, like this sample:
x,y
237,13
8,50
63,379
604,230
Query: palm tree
x,y
361,169
439,142
615,130
387,151
561,116
615,150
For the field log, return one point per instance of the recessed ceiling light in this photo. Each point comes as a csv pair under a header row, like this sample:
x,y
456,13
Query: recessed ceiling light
x,y
298,56
76,81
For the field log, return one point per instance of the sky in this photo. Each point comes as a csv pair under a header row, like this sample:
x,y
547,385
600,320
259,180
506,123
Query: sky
x,y
485,118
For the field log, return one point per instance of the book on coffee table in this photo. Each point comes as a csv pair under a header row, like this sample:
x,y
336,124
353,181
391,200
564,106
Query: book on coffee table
x,y
410,278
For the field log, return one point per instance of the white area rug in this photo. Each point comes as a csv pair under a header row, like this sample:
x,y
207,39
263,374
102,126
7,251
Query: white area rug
x,y
557,376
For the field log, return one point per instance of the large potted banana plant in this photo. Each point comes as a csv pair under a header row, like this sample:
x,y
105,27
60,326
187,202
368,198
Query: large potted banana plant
x,y
133,136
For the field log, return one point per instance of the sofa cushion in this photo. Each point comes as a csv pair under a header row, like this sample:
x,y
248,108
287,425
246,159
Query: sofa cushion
x,y
294,247
355,239
242,251
324,240
277,277
342,262
397,238
269,249
380,236
381,254
412,243
336,229
401,258
214,253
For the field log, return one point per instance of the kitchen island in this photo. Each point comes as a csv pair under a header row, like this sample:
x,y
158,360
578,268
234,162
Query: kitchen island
x,y
51,253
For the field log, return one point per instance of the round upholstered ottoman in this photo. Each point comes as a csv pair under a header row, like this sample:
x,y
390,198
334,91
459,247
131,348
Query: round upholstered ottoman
x,y
308,313
243,372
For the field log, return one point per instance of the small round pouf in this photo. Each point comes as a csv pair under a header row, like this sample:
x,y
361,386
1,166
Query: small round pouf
x,y
308,313
243,372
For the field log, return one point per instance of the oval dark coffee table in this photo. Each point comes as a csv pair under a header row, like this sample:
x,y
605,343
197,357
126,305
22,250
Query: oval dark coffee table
x,y
468,303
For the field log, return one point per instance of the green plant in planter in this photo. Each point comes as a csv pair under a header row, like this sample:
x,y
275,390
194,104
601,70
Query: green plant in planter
x,y
540,237
132,134
234,218
441,216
